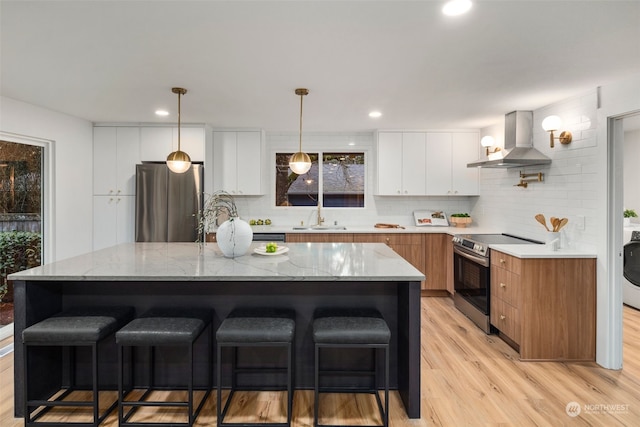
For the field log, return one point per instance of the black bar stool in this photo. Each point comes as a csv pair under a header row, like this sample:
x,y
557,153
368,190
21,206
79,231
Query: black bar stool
x,y
163,327
256,327
73,328
351,328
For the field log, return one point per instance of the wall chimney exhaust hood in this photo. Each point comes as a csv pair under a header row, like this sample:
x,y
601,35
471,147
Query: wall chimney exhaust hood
x,y
518,145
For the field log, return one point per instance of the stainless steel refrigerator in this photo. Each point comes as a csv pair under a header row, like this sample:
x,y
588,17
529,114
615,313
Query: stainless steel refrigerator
x,y
167,203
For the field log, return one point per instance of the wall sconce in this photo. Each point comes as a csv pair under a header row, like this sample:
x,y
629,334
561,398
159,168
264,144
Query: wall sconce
x,y
488,141
552,124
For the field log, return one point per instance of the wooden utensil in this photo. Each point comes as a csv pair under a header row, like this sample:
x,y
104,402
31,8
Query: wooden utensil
x,y
542,220
562,223
554,223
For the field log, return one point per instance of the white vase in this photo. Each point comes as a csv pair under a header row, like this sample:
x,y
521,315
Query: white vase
x,y
234,237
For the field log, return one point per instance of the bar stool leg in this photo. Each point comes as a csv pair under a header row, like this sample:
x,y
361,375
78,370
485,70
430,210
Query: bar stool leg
x,y
94,372
316,396
219,385
386,386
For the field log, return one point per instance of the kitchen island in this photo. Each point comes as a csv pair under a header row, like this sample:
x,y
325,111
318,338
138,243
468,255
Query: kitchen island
x,y
309,275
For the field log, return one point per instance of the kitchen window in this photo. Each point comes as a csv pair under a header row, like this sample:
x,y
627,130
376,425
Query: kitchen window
x,y
337,177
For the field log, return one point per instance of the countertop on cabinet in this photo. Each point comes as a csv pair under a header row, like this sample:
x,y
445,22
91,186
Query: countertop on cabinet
x,y
193,262
542,251
371,229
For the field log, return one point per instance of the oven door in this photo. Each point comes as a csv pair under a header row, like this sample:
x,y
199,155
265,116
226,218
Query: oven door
x,y
471,278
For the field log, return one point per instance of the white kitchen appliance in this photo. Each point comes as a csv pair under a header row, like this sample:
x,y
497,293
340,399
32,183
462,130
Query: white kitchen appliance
x,y
631,267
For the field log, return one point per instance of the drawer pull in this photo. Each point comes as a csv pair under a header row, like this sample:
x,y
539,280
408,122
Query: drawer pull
x,y
503,285
502,317
388,240
502,261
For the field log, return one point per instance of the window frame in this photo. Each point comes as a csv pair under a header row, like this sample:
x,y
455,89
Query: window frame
x,y
332,150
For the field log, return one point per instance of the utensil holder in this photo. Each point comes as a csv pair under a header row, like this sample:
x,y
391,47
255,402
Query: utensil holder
x,y
553,239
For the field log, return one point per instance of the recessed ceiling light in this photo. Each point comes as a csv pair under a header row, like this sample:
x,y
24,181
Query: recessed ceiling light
x,y
162,112
456,7
375,114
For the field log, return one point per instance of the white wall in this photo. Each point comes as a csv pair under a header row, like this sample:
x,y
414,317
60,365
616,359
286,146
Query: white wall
x,y
72,170
397,210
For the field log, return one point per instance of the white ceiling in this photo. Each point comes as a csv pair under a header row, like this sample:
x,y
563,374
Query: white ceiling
x,y
116,61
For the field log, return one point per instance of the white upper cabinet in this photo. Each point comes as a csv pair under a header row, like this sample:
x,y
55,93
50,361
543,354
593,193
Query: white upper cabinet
x,y
427,163
238,162
191,142
116,151
401,163
447,156
156,142
438,164
466,146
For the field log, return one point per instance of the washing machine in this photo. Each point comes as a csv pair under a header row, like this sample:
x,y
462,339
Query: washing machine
x,y
631,267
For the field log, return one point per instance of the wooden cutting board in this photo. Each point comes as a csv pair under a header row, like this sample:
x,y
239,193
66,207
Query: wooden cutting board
x,y
383,225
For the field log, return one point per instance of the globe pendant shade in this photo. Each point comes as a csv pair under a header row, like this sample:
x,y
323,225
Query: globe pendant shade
x,y
300,163
178,162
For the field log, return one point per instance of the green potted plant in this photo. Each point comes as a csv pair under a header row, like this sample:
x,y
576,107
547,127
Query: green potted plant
x,y
460,219
628,214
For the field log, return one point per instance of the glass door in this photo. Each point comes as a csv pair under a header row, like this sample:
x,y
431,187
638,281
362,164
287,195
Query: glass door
x,y
21,218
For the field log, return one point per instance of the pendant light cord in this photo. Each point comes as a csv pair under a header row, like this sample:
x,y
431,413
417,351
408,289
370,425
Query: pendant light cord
x,y
300,139
179,95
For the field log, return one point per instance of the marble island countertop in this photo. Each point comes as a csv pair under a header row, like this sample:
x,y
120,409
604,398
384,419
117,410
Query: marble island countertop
x,y
189,262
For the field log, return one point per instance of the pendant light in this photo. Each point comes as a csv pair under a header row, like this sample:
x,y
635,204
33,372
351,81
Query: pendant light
x,y
178,161
300,162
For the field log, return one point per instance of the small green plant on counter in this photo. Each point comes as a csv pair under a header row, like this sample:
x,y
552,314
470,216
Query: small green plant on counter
x,y
630,213
461,215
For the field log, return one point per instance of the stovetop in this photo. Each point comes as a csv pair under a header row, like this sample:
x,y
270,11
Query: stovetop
x,y
479,243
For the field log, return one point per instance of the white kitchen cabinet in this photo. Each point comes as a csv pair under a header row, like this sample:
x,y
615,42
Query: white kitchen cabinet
x,y
156,142
401,164
446,163
113,220
116,151
238,162
191,142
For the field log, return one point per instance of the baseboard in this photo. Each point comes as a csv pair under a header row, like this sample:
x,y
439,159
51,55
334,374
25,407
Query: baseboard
x,y
6,331
435,293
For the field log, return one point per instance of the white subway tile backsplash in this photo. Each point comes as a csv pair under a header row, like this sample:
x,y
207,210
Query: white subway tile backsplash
x,y
567,190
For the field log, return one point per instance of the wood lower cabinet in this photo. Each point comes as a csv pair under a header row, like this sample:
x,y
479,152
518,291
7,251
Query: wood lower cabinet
x,y
436,253
408,245
432,254
319,237
545,307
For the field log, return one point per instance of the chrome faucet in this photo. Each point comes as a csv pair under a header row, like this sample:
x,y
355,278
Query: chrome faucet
x,y
320,220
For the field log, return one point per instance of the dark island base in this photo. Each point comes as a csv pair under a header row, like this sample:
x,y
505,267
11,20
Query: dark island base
x,y
399,302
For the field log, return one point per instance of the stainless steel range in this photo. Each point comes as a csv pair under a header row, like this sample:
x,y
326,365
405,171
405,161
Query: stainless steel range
x,y
472,268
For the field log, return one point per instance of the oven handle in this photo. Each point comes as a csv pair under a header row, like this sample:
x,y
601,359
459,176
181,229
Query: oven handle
x,y
483,261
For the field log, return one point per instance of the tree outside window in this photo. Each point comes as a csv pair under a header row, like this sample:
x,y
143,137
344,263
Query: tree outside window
x,y
340,185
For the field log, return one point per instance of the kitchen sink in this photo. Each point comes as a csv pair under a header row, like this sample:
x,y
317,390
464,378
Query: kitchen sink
x,y
321,228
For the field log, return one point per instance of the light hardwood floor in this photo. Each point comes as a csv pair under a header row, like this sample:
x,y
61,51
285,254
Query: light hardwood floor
x,y
468,378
